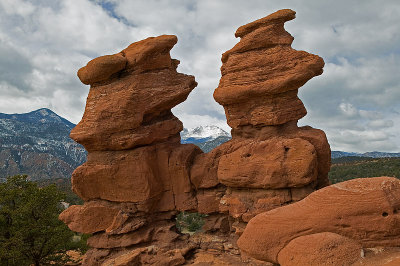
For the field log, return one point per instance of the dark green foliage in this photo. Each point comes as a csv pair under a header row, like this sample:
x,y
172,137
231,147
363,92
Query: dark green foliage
x,y
30,232
79,243
63,184
191,222
351,159
349,168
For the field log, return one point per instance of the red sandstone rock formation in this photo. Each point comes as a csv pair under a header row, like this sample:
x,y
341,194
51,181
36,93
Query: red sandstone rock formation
x,y
365,210
131,98
261,74
270,161
138,175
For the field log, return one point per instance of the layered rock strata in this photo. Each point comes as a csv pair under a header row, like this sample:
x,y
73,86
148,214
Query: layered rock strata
x,y
136,178
363,212
270,161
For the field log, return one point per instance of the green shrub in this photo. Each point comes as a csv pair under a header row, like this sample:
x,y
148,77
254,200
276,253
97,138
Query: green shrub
x,y
190,221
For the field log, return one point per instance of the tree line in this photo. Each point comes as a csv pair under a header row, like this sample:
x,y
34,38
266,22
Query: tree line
x,y
347,168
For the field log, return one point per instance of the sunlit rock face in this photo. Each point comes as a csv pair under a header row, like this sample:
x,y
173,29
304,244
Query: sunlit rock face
x,y
365,210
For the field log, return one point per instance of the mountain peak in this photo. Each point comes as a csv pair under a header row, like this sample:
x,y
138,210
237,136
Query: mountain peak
x,y
44,112
202,132
205,137
38,144
42,116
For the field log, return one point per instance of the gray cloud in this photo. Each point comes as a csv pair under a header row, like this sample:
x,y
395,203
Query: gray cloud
x,y
356,101
14,67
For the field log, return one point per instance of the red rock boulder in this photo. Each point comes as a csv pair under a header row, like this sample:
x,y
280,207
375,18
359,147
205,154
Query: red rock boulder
x,y
366,210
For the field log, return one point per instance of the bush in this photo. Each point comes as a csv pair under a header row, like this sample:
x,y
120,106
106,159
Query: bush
x,y
191,222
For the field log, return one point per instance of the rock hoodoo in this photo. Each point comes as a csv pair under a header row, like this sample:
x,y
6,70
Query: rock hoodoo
x,y
136,177
270,161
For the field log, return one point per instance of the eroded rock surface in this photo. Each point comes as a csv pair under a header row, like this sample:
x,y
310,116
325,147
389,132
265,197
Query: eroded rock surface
x,y
130,105
136,178
262,73
320,249
366,210
269,156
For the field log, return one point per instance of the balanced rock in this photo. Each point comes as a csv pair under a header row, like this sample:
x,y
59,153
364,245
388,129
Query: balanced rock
x,y
365,210
101,68
258,89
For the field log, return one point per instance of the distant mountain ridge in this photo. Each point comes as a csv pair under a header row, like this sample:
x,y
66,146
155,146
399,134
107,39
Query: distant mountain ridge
x,y
373,154
42,115
38,144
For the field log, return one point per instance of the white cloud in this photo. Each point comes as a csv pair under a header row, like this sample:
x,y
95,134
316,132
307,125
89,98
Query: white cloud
x,y
348,109
380,124
17,7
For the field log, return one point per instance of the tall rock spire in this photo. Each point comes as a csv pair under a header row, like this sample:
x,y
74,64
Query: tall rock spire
x,y
270,161
262,73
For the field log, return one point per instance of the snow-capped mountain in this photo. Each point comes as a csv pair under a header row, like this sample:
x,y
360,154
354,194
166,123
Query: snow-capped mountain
x,y
206,137
38,144
203,132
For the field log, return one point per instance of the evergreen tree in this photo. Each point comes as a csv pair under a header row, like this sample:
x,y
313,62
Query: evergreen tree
x,y
30,232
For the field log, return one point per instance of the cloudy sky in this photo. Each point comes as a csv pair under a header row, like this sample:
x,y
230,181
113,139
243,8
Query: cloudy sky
x,y
356,101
